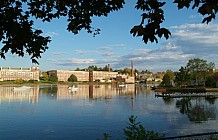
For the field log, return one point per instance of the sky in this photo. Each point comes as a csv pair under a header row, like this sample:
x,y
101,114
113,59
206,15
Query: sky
x,y
117,47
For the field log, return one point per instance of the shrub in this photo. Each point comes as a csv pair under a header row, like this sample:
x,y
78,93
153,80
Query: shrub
x,y
135,131
53,78
72,78
19,81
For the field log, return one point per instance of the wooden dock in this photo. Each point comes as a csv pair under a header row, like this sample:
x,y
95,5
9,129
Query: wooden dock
x,y
182,95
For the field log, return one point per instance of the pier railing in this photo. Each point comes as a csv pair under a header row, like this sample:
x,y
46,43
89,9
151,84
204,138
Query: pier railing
x,y
180,95
202,136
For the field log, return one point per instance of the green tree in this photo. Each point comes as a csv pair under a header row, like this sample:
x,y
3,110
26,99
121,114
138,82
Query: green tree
x,y
106,68
200,69
170,74
120,71
166,80
210,81
17,16
146,71
19,81
53,78
182,76
72,78
92,68
135,131
77,69
44,76
127,71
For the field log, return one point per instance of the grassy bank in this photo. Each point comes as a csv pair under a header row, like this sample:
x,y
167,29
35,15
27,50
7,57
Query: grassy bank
x,y
11,83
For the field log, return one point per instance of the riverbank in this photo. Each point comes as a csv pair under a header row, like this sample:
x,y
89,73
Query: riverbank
x,y
11,83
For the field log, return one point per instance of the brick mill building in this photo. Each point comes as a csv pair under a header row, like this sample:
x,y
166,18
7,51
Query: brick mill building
x,y
10,74
83,76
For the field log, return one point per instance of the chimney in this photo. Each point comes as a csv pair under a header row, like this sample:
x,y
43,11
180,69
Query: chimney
x,y
132,67
109,68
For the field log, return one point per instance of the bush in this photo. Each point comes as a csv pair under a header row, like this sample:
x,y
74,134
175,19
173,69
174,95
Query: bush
x,y
32,81
135,131
72,78
19,81
53,78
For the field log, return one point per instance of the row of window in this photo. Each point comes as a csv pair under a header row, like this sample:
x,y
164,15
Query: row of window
x,y
16,73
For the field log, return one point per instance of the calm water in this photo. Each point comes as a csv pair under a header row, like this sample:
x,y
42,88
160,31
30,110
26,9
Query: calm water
x,y
53,112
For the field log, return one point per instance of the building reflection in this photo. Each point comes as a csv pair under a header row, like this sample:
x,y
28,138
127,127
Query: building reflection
x,y
94,91
7,94
61,92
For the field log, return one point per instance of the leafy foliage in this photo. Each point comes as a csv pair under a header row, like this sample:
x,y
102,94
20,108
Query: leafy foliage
x,y
16,25
72,78
44,76
135,131
19,81
199,69
197,72
168,78
18,36
154,16
53,78
205,7
210,81
183,76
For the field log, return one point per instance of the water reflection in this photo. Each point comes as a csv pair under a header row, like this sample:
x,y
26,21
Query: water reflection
x,y
7,94
96,109
196,109
61,92
93,91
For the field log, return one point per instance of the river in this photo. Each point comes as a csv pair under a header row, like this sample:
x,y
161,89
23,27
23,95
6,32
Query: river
x,y
54,112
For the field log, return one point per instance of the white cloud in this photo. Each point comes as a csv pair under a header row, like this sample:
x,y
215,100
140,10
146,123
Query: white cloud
x,y
169,56
197,33
107,54
117,45
198,40
188,41
79,51
51,34
72,62
105,48
85,52
59,53
79,61
82,63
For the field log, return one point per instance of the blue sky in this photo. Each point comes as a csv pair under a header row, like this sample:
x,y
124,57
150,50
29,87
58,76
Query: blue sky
x,y
117,47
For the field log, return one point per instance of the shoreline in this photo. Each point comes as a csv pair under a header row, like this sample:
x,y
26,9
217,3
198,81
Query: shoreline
x,y
186,90
49,84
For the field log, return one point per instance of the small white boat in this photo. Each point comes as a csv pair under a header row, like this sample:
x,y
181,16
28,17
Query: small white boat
x,y
21,88
122,86
73,88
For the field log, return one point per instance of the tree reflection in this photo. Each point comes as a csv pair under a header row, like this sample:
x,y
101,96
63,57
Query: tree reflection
x,y
210,100
184,105
196,110
49,89
201,113
168,101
